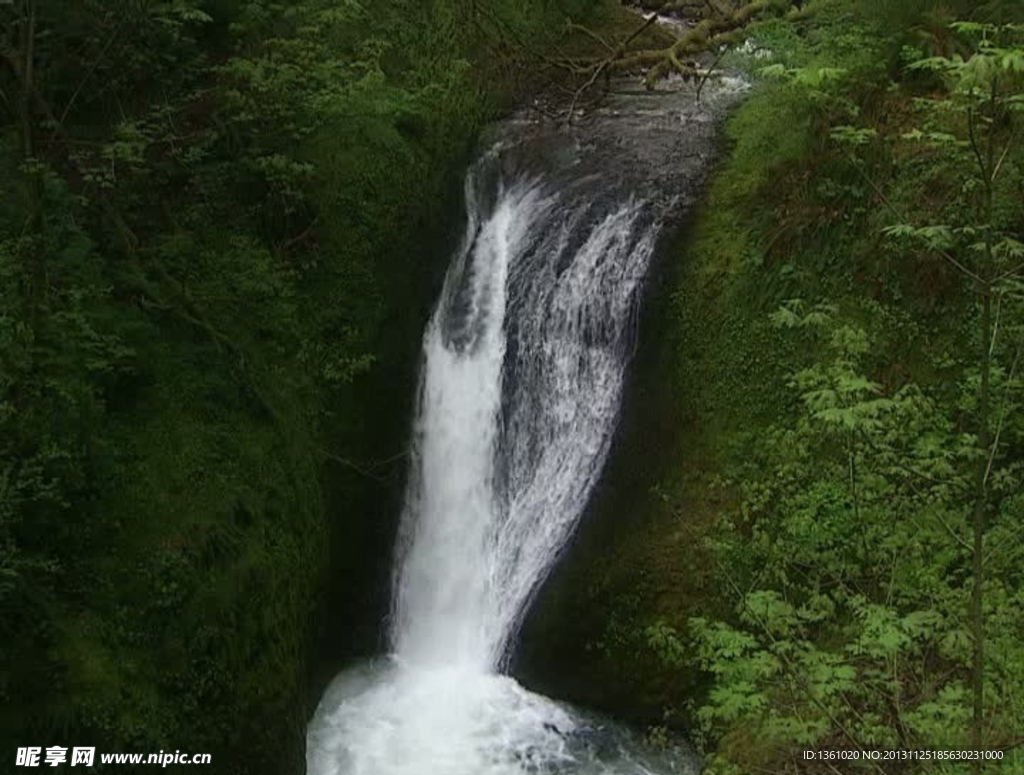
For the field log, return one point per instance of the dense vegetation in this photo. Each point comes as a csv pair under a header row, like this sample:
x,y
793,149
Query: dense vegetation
x,y
834,540
220,222
874,554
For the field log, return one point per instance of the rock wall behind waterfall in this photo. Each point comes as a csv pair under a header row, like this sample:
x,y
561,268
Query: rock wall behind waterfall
x,y
636,557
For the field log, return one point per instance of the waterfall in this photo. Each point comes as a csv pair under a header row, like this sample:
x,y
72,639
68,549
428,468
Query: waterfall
x,y
524,363
523,370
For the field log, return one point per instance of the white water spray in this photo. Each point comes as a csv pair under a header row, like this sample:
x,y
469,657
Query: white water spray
x,y
522,379
447,560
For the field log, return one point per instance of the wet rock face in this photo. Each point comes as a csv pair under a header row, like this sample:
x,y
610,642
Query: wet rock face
x,y
663,145
659,143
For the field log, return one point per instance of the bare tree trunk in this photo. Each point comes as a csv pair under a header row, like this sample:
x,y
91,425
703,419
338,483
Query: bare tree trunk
x,y
987,167
28,37
979,526
33,257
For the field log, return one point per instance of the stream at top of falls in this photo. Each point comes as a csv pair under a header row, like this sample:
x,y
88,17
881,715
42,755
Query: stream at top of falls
x,y
524,363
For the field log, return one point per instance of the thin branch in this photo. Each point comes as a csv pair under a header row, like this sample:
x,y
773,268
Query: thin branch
x,y
972,135
797,675
637,33
885,200
995,327
290,243
1007,275
919,474
354,466
590,34
368,470
710,70
1006,151
992,552
604,65
932,509
714,8
1002,417
88,75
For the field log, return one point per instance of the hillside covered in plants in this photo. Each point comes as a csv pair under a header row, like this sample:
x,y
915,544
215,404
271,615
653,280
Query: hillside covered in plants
x,y
221,227
224,225
825,549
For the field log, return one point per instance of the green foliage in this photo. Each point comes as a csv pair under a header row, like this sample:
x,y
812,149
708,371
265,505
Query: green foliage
x,y
924,19
848,565
218,232
844,428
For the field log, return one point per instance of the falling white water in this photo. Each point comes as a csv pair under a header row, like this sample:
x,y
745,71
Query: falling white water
x,y
449,560
522,378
